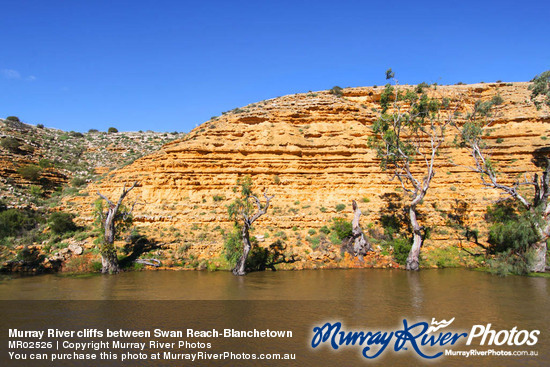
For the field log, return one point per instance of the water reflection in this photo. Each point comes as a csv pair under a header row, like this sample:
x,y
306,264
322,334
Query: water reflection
x,y
361,299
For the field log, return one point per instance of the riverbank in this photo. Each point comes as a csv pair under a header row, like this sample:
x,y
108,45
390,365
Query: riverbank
x,y
84,257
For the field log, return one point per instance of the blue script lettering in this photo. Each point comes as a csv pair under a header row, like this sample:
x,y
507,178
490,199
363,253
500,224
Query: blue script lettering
x,y
413,335
405,335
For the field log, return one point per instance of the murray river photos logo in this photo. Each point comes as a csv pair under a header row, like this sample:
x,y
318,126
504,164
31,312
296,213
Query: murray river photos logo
x,y
428,341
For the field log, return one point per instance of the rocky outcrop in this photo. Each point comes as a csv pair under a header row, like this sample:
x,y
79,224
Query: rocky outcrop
x,y
311,151
57,156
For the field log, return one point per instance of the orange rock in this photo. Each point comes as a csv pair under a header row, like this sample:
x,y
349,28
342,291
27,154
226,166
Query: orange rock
x,y
313,149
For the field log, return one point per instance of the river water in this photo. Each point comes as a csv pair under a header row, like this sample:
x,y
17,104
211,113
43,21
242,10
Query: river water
x,y
367,300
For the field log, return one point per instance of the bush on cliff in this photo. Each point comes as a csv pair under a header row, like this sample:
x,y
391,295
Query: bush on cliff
x,y
61,222
540,89
11,144
341,227
30,172
14,222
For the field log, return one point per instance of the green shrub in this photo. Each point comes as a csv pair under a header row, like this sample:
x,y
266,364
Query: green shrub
x,y
93,131
112,130
96,266
61,222
11,144
218,198
335,239
540,89
14,221
40,126
341,227
401,248
420,87
30,172
36,191
78,181
281,234
337,91
313,241
311,231
45,163
340,207
233,246
13,119
324,229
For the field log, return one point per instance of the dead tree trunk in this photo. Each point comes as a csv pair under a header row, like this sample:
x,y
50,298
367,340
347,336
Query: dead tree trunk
x,y
240,268
109,259
360,243
539,262
414,254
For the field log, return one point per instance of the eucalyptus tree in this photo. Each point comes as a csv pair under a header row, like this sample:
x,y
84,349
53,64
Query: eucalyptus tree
x,y
244,211
407,137
115,215
531,192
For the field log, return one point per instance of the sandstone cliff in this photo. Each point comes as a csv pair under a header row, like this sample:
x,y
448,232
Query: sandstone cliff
x,y
311,151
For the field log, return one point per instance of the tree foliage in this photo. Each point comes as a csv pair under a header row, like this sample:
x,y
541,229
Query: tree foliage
x,y
540,89
522,228
400,134
407,137
242,205
232,246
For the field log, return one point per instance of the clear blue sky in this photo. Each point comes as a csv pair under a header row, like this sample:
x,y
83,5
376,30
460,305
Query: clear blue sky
x,y
169,65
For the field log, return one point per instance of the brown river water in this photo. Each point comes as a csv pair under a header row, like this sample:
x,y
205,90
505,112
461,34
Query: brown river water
x,y
299,301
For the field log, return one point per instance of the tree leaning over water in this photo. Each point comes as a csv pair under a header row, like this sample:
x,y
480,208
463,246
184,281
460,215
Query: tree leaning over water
x,y
407,137
531,192
244,211
114,214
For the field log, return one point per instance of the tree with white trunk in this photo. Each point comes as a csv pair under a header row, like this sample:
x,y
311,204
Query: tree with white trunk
x,y
407,137
108,218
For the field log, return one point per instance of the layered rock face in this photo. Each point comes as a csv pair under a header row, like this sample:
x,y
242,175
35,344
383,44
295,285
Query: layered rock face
x,y
311,151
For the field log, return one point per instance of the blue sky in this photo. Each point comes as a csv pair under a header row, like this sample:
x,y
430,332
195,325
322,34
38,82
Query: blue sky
x,y
169,65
